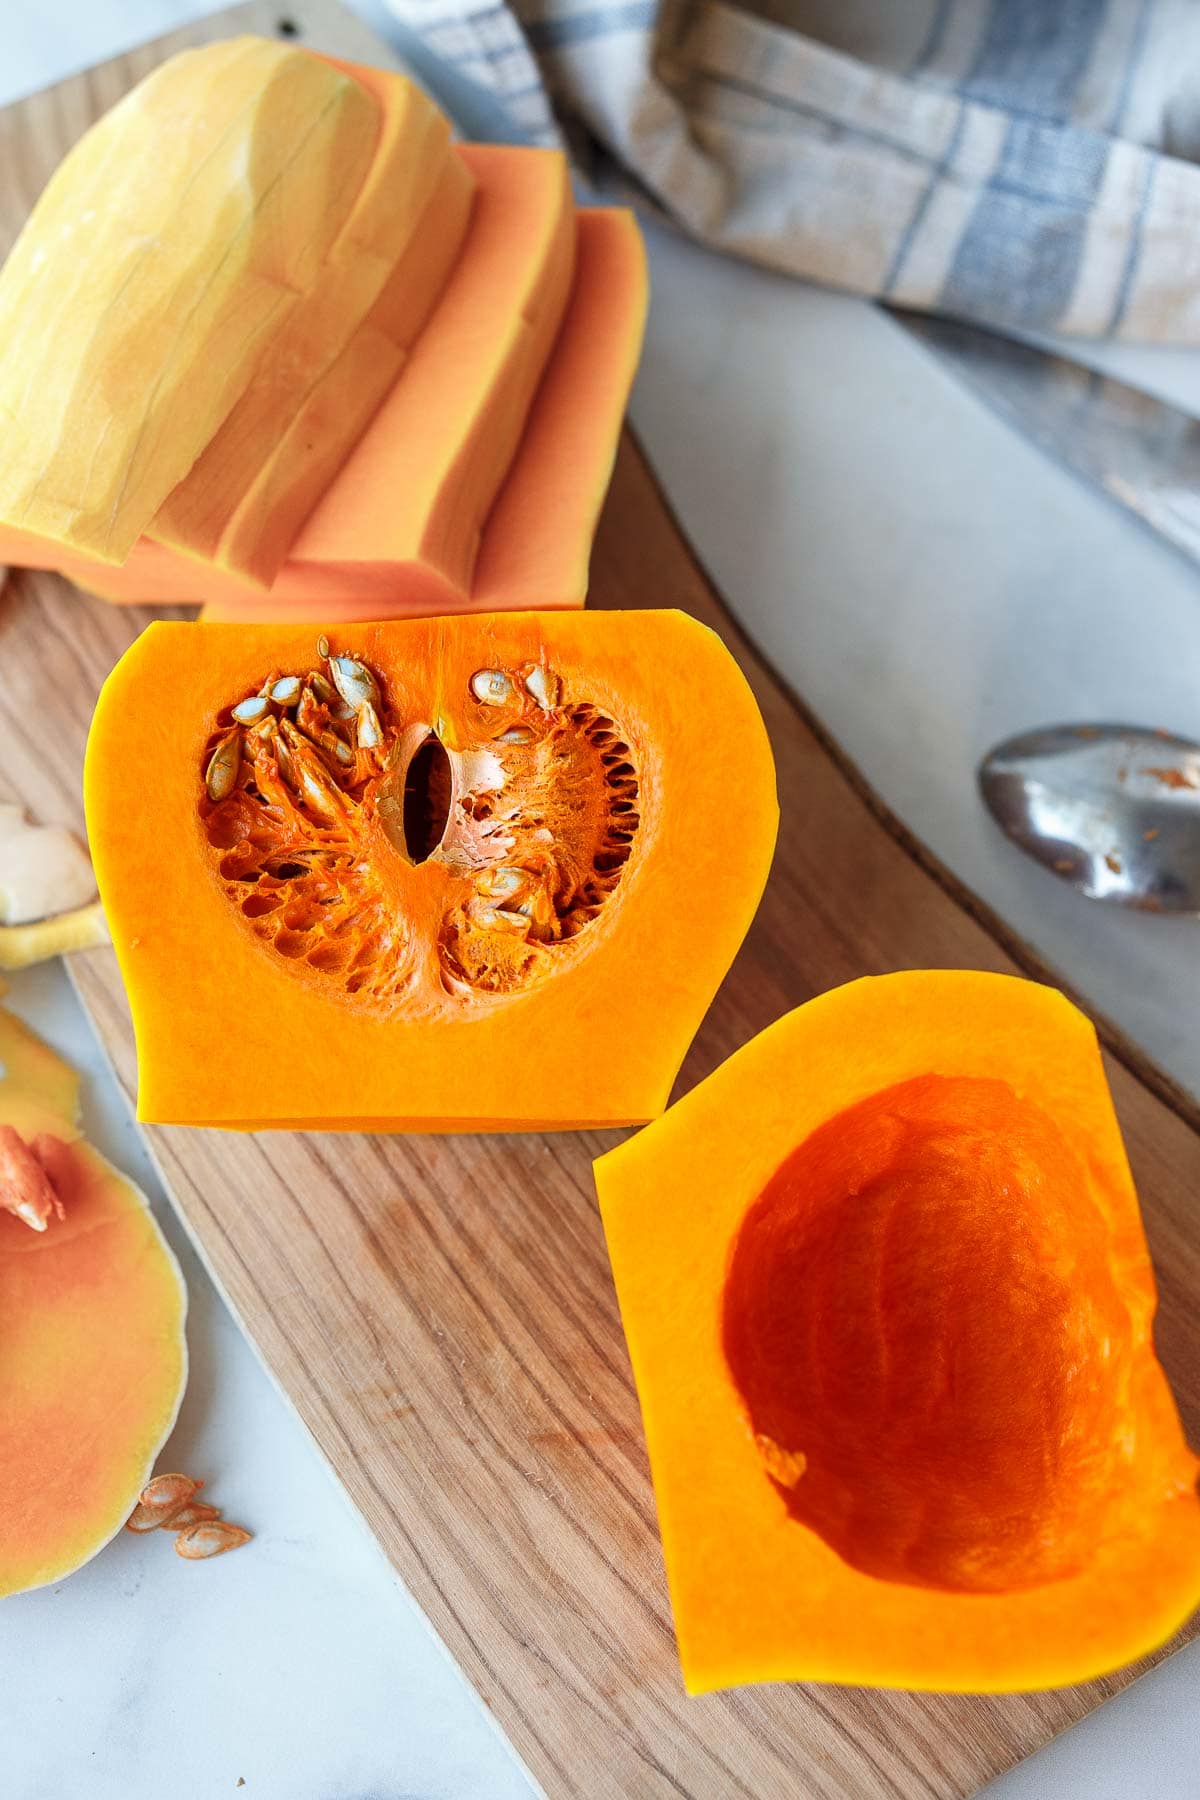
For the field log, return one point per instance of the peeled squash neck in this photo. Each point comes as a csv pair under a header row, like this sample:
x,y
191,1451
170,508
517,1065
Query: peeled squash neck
x,y
172,243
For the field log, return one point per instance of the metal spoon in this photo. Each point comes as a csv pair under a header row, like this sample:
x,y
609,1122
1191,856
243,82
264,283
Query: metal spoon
x,y
1113,809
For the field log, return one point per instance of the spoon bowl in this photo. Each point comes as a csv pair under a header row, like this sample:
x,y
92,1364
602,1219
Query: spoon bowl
x,y
1112,809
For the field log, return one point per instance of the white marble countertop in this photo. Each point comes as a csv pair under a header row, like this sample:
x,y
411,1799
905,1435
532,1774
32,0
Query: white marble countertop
x,y
928,583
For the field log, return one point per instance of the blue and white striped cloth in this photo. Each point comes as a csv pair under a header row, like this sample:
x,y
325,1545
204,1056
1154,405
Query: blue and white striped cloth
x,y
1028,163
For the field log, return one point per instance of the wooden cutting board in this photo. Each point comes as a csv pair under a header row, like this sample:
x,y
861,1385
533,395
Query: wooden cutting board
x,y
440,1309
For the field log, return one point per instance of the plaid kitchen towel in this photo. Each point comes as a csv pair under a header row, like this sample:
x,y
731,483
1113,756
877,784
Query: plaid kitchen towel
x,y
1028,163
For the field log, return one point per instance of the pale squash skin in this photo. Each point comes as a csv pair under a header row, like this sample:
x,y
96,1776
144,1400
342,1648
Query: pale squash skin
x,y
757,1374
632,985
93,1356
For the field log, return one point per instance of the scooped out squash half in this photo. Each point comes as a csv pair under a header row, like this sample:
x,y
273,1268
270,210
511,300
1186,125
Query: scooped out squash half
x,y
433,875
92,1352
889,1307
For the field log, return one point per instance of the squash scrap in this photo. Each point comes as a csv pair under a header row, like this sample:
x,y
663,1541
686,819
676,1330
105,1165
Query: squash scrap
x,y
368,313
417,487
84,928
440,848
43,869
26,1190
92,1350
889,1308
537,541
46,882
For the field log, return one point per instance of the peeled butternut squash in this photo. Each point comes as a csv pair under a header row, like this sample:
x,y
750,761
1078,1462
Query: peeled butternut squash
x,y
408,509
447,852
174,242
92,1351
536,539
242,503
420,482
889,1308
292,367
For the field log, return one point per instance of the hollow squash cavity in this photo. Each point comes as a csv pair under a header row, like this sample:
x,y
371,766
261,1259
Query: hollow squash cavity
x,y
925,1329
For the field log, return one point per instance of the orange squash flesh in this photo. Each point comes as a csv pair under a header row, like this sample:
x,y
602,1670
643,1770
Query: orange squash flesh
x,y
261,527
889,1308
420,482
536,539
452,993
244,500
92,1352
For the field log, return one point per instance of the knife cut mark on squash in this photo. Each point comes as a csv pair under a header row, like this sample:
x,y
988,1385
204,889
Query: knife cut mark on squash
x,y
396,857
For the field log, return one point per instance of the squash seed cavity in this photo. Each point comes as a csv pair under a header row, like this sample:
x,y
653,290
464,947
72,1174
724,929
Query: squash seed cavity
x,y
369,855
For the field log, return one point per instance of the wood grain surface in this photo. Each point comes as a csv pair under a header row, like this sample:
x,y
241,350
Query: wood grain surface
x,y
440,1310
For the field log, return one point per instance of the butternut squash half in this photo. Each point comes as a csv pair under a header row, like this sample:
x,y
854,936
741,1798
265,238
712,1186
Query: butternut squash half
x,y
92,1352
889,1308
447,854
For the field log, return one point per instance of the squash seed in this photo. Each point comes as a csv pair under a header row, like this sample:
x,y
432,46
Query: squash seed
x,y
194,1513
307,774
161,1500
491,686
545,687
250,711
502,884
210,1538
286,691
149,1518
368,731
283,756
224,765
354,682
169,1491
